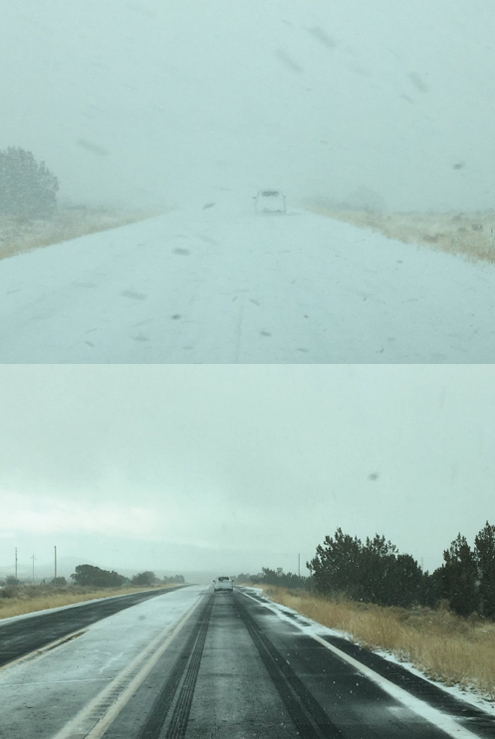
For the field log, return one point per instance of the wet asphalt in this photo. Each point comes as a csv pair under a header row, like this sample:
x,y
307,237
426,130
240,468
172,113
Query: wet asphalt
x,y
23,636
240,672
237,670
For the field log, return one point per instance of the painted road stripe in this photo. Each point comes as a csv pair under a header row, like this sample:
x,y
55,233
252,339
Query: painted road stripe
x,y
101,712
441,720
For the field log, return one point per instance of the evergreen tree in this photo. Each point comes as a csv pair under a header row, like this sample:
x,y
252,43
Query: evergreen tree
x,y
458,577
373,572
27,188
281,579
335,567
376,571
410,583
484,557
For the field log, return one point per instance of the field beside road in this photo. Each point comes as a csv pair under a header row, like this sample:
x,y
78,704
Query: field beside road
x,y
447,648
19,235
17,600
469,234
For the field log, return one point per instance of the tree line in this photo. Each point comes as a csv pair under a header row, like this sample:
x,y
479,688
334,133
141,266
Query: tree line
x,y
467,576
272,577
28,188
374,571
95,577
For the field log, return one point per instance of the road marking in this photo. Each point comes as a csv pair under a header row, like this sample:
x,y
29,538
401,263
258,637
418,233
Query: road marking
x,y
42,651
95,718
421,708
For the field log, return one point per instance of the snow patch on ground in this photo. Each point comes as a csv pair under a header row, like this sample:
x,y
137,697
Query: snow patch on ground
x,y
310,627
223,285
19,235
471,235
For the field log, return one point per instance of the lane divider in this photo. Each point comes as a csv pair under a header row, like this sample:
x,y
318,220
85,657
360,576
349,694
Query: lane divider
x,y
95,718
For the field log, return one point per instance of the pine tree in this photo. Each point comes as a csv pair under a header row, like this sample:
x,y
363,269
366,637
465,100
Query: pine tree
x,y
458,577
484,556
335,567
27,188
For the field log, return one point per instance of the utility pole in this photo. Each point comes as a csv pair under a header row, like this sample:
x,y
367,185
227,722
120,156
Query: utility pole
x,y
16,563
55,550
33,566
299,565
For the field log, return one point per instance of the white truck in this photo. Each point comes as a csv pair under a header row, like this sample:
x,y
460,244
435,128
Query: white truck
x,y
269,201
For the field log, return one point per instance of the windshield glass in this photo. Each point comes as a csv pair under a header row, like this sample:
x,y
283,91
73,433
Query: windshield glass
x,y
350,505
147,129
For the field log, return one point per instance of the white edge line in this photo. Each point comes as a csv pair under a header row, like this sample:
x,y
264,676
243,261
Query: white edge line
x,y
423,709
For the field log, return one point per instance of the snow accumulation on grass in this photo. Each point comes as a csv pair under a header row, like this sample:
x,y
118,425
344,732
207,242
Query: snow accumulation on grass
x,y
474,686
19,234
468,234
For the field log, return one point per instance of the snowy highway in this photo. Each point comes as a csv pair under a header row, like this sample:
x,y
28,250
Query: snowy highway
x,y
191,664
223,285
18,639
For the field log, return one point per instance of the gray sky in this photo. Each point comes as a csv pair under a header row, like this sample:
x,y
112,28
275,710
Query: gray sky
x,y
239,467
153,102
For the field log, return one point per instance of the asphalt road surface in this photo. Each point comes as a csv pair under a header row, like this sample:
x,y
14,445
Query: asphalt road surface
x,y
232,667
20,637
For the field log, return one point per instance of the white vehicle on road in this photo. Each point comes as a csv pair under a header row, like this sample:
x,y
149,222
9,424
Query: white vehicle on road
x,y
269,201
223,583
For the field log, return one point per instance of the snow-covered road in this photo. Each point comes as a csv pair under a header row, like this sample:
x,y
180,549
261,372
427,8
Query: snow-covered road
x,y
222,285
223,665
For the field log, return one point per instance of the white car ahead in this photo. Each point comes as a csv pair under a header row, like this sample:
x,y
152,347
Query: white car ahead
x,y
269,201
223,583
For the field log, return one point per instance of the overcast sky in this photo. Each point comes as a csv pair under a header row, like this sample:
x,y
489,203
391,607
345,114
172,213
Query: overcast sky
x,y
154,101
192,468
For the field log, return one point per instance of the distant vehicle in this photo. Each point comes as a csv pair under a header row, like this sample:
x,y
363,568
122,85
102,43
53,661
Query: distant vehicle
x,y
269,201
223,583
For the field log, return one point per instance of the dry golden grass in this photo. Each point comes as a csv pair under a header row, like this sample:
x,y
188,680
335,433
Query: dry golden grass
x,y
18,235
445,647
469,234
28,602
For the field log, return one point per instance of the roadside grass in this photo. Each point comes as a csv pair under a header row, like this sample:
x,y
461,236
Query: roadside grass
x,y
468,234
19,235
445,647
18,600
